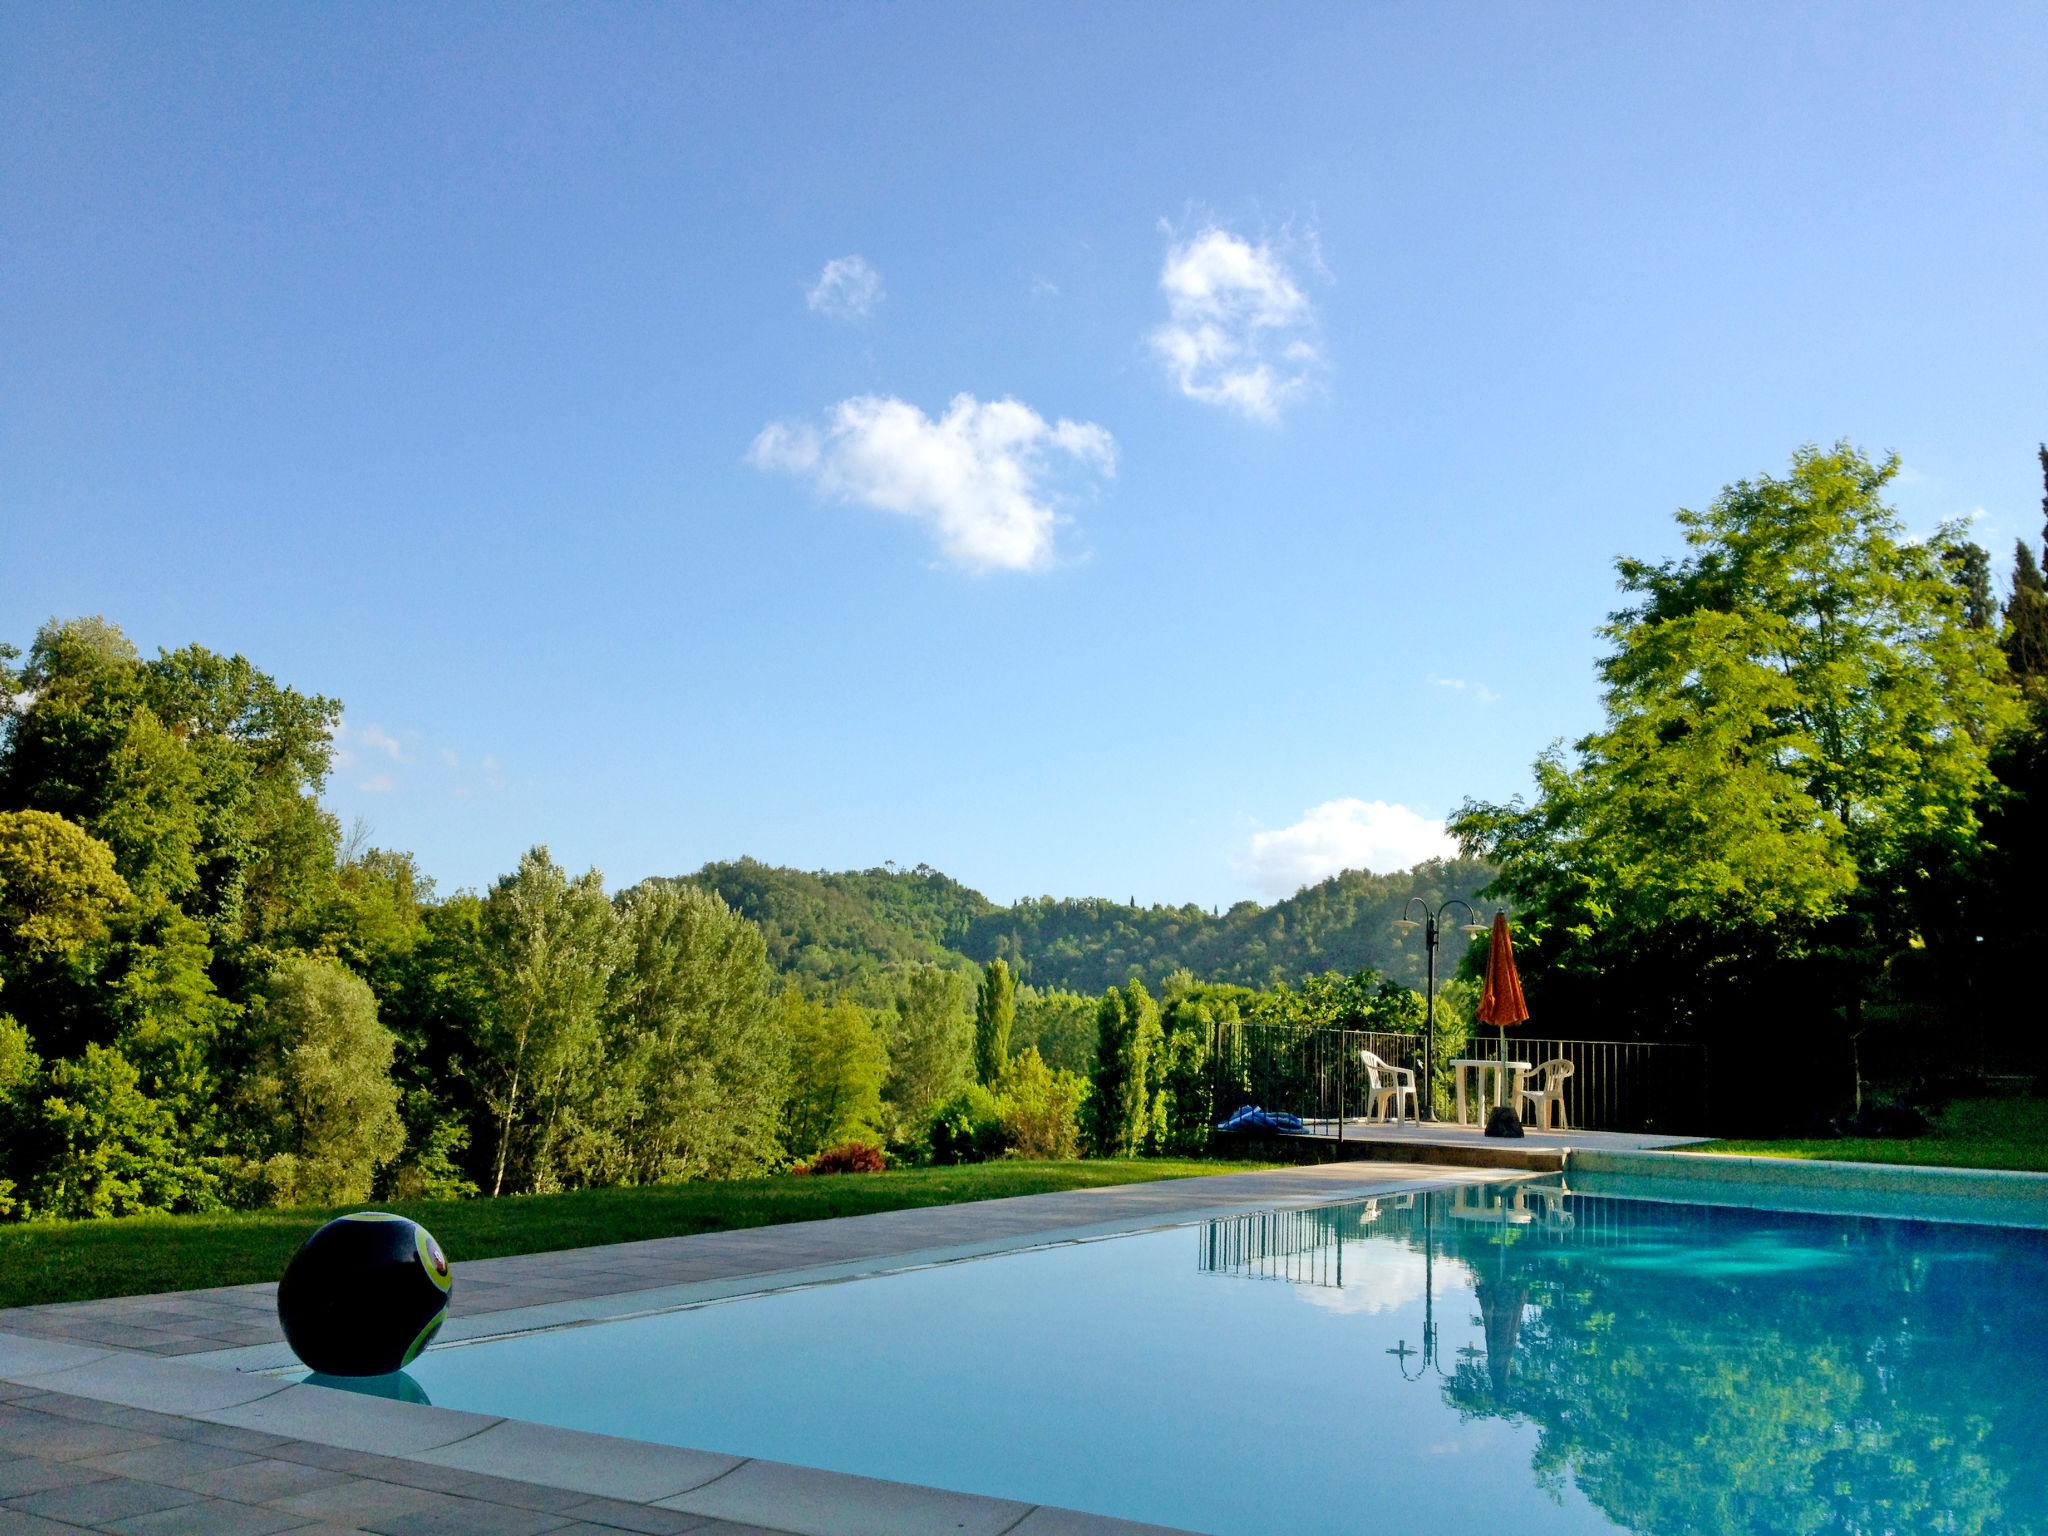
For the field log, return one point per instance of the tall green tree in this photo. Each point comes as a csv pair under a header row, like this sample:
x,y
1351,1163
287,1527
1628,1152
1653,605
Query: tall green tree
x,y
838,1058
105,1147
930,1049
1040,1107
1798,728
2026,618
995,1012
1124,1099
548,949
433,994
21,1071
697,1059
316,1106
1060,1024
59,890
1969,566
200,771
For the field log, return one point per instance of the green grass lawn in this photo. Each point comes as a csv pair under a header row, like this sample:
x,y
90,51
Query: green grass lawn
x,y
1970,1133
79,1260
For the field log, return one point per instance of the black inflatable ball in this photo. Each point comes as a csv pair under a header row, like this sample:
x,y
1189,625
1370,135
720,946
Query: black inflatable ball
x,y
364,1295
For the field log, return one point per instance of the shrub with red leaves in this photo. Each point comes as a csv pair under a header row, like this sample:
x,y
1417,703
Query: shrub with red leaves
x,y
853,1157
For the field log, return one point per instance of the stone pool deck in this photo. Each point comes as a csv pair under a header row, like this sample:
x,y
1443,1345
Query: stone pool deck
x,y
102,1428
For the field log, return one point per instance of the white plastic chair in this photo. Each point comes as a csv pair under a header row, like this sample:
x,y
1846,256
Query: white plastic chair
x,y
1547,1094
1389,1085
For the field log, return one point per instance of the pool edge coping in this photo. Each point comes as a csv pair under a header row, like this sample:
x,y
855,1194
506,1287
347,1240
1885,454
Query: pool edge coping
x,y
1984,1196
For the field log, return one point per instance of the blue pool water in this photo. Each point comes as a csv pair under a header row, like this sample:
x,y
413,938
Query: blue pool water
x,y
1491,1358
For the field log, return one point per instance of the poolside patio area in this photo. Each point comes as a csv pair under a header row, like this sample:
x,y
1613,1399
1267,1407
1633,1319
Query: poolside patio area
x,y
1416,1136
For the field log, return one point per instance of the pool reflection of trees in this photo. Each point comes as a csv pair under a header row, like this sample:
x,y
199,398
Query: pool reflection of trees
x,y
1695,1369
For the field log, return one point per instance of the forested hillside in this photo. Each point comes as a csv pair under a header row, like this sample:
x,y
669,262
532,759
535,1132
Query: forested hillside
x,y
844,928
841,929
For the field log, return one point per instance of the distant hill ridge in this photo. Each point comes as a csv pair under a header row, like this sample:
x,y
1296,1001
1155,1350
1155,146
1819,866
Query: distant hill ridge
x,y
836,928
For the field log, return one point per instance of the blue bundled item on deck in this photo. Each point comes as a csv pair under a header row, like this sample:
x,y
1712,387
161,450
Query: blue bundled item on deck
x,y
1251,1118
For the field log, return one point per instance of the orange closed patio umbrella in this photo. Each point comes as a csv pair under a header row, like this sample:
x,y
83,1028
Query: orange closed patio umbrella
x,y
1501,1004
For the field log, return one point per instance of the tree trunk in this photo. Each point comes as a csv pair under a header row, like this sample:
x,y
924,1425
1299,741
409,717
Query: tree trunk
x,y
1855,1011
505,1134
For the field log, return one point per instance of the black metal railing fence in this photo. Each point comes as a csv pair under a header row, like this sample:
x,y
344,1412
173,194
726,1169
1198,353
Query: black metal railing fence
x,y
1319,1074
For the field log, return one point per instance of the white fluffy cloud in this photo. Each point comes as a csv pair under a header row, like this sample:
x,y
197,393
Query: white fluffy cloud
x,y
1339,835
980,477
1238,327
847,289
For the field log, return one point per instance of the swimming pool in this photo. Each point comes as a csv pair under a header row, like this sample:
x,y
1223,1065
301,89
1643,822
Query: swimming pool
x,y
1485,1357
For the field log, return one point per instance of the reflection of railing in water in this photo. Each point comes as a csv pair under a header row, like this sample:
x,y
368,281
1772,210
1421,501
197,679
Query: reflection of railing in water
x,y
1303,1247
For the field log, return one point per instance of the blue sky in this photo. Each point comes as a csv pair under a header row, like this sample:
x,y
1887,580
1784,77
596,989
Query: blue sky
x,y
1083,448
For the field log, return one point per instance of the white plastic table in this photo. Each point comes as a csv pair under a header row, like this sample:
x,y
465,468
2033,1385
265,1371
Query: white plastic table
x,y
1505,1082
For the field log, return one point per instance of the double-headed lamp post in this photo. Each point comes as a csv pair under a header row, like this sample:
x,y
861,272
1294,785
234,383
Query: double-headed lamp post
x,y
1431,925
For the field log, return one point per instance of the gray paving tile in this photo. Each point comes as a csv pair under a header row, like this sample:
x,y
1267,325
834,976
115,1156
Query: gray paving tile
x,y
21,1475
103,1501
17,1523
175,1461
91,1410
359,1500
233,1436
261,1481
521,1495
209,1517
309,1454
619,1515
56,1439
469,1517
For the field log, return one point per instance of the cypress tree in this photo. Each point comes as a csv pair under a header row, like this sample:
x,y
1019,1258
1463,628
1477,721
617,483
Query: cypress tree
x,y
1127,1049
1969,567
2026,617
1126,1054
2044,499
995,1010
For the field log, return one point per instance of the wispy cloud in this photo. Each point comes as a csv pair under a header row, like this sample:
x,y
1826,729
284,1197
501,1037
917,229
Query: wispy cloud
x,y
352,743
1479,691
847,289
1339,835
981,478
358,749
1239,330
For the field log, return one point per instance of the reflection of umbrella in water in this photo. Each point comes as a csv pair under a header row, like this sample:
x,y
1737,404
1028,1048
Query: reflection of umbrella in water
x,y
1501,1004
